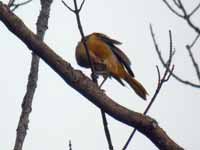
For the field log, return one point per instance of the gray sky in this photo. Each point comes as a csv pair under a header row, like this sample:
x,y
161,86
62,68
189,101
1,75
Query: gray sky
x,y
61,114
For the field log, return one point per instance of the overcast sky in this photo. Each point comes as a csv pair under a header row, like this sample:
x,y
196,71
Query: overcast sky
x,y
60,113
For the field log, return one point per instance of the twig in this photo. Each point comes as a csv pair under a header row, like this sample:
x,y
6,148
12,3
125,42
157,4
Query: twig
x,y
194,42
182,8
81,5
76,11
165,65
32,79
186,82
194,10
106,130
10,3
15,6
165,78
176,3
158,72
172,9
185,15
196,66
70,145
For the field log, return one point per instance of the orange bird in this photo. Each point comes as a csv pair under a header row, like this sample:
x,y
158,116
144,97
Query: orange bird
x,y
108,60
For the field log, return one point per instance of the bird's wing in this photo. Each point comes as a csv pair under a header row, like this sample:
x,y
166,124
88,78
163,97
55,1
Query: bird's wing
x,y
107,39
119,53
123,59
81,56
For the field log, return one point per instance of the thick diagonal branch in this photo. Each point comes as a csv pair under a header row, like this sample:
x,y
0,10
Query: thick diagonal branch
x,y
85,86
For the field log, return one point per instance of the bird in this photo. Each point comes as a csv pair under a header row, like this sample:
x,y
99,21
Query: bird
x,y
108,60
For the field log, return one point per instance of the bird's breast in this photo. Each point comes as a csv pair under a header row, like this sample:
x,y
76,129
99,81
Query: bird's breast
x,y
81,56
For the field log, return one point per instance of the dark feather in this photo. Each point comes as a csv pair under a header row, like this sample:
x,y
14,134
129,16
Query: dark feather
x,y
120,55
107,39
119,80
123,59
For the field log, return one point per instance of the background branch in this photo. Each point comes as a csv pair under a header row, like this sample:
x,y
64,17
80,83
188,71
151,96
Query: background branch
x,y
70,145
13,6
42,24
185,15
164,79
193,61
76,11
85,86
194,10
172,9
165,65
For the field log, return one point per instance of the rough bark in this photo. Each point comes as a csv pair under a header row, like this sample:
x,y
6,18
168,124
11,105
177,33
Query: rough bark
x,y
22,127
77,80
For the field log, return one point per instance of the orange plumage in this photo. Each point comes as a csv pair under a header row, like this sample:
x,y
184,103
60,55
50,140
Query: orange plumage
x,y
103,51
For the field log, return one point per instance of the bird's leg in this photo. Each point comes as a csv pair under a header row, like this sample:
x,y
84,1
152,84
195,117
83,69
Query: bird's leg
x,y
104,79
100,69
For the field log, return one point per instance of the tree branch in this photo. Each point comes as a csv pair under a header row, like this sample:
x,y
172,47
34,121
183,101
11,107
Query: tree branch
x,y
77,80
172,9
165,65
106,130
32,79
196,66
70,145
76,11
194,10
185,15
194,41
164,79
13,6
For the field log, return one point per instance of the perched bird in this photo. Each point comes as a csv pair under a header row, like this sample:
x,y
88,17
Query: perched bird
x,y
108,60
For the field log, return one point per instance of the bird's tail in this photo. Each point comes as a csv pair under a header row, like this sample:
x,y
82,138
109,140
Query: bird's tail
x,y
136,86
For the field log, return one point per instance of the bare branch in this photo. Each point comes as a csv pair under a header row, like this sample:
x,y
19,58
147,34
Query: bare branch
x,y
170,73
106,130
165,64
164,79
194,10
81,5
194,42
68,6
196,66
185,15
84,85
176,3
76,11
70,145
170,48
190,23
10,3
182,8
32,79
172,9
158,72
186,82
14,6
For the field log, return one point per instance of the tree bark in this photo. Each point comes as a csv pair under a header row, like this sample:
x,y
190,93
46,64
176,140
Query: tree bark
x,y
77,80
22,127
